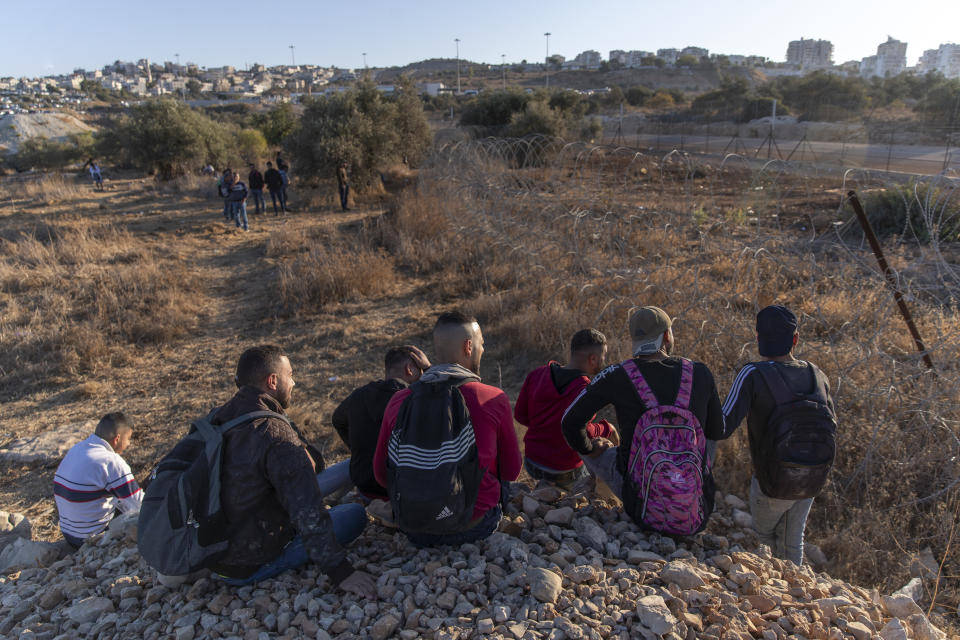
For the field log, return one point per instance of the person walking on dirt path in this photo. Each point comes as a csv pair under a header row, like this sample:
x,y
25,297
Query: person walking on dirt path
x,y
544,397
666,408
271,491
93,482
238,201
255,182
791,427
96,175
275,186
343,185
448,444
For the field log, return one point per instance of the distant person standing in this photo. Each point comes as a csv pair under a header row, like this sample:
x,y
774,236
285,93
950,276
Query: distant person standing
x,y
344,185
284,168
96,175
274,181
255,182
223,190
238,201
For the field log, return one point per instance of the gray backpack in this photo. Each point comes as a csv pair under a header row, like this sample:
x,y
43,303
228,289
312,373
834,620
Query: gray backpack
x,y
182,526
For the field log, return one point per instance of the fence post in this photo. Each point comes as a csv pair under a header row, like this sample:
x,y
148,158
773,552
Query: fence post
x,y
889,151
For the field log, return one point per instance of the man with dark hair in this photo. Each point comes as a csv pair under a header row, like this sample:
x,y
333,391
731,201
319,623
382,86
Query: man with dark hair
x,y
255,180
667,381
546,393
458,345
274,182
358,418
780,519
93,482
271,493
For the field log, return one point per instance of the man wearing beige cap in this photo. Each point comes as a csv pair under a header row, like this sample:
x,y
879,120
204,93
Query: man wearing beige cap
x,y
667,407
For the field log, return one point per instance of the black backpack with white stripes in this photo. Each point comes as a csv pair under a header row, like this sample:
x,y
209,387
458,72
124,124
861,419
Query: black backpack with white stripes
x,y
433,468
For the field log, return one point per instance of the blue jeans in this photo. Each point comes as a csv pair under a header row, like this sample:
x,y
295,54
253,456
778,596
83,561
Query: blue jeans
x,y
349,521
488,524
282,197
779,523
259,205
238,211
227,209
565,479
344,194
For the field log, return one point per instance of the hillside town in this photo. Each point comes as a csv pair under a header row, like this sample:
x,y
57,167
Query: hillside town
x,y
143,78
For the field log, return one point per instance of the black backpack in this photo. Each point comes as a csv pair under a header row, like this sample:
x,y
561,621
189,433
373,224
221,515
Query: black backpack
x,y
182,526
799,444
433,468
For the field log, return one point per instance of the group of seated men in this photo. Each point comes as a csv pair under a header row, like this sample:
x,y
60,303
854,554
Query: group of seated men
x,y
274,482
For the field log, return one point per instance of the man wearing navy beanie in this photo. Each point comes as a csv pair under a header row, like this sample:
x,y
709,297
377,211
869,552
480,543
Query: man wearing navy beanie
x,y
791,427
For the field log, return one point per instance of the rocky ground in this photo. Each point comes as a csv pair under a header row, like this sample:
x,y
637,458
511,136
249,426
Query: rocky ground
x,y
563,566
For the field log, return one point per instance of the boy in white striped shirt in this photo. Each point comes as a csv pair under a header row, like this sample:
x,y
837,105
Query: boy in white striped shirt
x,y
93,482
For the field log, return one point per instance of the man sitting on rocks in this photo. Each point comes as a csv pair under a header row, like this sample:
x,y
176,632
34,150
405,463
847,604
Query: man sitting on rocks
x,y
666,407
93,482
358,418
545,396
271,492
483,452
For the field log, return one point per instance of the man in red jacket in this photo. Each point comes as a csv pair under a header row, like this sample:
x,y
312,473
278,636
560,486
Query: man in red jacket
x,y
458,346
545,396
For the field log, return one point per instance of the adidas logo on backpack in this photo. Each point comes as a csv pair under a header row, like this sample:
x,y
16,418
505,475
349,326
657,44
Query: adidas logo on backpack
x,y
444,513
667,467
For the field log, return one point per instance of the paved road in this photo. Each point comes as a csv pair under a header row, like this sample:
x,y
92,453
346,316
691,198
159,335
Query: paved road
x,y
898,158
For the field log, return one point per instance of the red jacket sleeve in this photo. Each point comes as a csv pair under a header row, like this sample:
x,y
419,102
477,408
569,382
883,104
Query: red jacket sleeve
x,y
386,428
600,429
508,449
521,410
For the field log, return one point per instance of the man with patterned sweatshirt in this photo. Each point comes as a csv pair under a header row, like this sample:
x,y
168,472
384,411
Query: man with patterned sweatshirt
x,y
545,396
93,482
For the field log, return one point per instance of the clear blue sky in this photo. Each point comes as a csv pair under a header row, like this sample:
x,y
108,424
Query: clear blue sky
x,y
55,36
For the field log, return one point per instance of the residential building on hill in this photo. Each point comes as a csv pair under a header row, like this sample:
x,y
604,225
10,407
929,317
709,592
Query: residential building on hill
x,y
810,54
944,60
891,60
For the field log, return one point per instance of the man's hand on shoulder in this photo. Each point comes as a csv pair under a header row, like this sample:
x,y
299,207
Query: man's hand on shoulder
x,y
361,583
599,446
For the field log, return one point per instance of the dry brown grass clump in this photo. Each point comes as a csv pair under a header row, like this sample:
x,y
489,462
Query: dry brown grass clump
x,y
50,188
72,292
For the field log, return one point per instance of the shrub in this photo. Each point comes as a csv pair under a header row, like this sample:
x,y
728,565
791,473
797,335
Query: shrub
x,y
251,145
45,154
361,127
660,100
168,138
276,124
494,109
920,210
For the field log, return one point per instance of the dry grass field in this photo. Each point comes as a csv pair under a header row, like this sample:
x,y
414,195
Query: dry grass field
x,y
141,298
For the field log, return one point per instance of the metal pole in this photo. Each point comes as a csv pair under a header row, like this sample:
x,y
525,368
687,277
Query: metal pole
x,y
890,276
503,69
889,151
293,58
546,64
364,59
457,40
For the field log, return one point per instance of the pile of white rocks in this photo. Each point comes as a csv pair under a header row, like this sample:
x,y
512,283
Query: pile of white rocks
x,y
563,566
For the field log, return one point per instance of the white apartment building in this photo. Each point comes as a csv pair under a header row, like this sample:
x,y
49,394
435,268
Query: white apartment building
x,y
944,60
810,54
891,60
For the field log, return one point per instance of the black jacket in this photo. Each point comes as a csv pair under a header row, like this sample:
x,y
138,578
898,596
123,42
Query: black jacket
x,y
358,420
270,493
273,179
255,179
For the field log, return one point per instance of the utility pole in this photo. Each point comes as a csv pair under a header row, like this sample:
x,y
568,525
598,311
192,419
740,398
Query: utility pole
x,y
503,69
547,61
457,40
177,56
364,59
293,59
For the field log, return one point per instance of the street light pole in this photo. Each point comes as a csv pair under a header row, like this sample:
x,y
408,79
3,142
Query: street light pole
x,y
364,59
293,59
503,69
457,40
547,60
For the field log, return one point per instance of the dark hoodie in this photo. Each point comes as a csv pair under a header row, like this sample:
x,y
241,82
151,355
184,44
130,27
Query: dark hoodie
x,y
270,493
544,397
358,420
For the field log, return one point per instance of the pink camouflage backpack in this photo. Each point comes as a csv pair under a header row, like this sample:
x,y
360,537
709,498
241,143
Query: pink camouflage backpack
x,y
668,465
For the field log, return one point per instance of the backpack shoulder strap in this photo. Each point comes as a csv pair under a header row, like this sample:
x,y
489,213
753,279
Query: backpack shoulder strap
x,y
819,382
643,389
253,415
782,394
685,392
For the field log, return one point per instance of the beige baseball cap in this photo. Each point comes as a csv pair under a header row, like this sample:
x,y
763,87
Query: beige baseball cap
x,y
647,326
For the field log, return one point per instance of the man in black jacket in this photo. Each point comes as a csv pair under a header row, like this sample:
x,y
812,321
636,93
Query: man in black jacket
x,y
359,416
255,182
270,490
274,181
